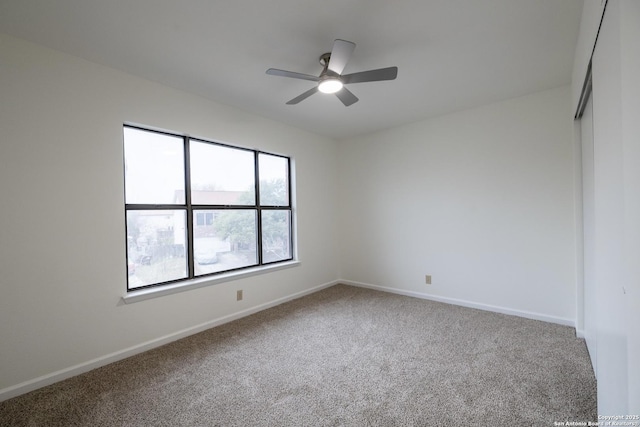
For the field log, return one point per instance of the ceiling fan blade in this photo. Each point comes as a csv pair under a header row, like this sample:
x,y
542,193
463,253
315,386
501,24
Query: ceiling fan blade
x,y
346,96
389,73
294,75
340,55
303,96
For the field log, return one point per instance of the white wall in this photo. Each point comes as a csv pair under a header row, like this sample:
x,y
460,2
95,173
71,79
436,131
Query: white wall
x,y
62,241
480,199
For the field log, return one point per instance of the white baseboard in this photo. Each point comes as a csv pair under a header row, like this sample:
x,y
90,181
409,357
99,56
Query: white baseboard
x,y
45,380
463,303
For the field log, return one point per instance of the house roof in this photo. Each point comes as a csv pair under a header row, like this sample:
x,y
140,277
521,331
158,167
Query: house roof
x,y
211,197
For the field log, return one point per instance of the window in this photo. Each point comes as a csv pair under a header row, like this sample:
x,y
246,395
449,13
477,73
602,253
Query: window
x,y
196,208
204,219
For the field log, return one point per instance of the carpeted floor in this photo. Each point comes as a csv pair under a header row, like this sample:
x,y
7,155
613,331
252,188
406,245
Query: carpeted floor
x,y
342,356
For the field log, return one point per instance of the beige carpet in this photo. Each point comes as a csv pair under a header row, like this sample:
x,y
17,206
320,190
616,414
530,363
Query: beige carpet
x,y
342,356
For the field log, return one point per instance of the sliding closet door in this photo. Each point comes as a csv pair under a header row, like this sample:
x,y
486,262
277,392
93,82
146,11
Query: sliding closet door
x,y
590,306
609,217
630,35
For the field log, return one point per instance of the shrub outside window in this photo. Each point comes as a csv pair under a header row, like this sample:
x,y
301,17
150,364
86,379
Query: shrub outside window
x,y
196,208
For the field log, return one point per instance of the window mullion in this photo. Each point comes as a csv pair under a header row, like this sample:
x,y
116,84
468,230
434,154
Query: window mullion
x,y
187,198
258,208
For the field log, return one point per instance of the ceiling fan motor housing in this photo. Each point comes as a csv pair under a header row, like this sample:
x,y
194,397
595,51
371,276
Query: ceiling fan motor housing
x,y
324,59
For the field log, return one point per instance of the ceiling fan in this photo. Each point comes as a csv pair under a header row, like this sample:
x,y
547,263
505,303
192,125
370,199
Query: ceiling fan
x,y
331,80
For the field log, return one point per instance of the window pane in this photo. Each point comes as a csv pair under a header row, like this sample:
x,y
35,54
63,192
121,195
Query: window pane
x,y
221,175
154,167
225,241
276,235
274,180
156,247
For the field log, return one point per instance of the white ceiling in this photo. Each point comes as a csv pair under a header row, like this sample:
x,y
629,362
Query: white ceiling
x,y
451,54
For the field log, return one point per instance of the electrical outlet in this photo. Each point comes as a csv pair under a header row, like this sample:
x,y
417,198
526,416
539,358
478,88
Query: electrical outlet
x,y
427,279
239,295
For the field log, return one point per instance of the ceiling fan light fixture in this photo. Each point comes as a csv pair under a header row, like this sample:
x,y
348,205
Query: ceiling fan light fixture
x,y
330,85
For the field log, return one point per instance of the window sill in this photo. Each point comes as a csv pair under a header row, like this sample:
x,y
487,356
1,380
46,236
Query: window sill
x,y
149,293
